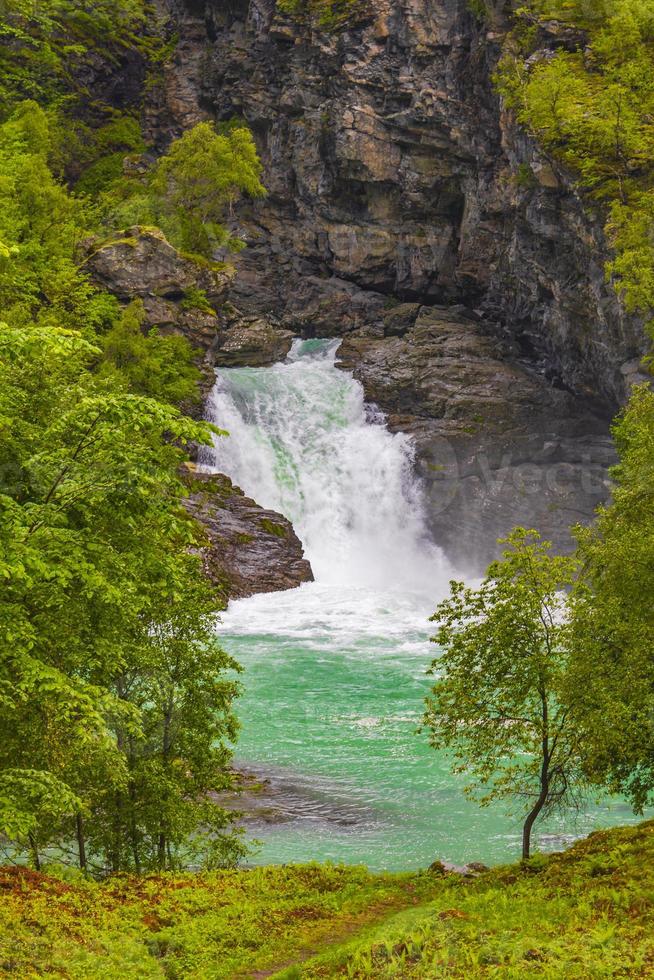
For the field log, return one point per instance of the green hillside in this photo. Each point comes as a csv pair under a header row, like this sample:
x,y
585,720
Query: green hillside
x,y
585,913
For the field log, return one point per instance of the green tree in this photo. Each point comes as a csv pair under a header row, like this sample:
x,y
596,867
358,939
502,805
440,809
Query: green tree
x,y
116,717
96,571
199,180
165,815
497,703
593,110
41,225
631,230
154,364
612,670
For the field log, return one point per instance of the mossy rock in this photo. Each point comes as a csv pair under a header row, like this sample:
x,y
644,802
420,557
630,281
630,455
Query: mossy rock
x,y
271,528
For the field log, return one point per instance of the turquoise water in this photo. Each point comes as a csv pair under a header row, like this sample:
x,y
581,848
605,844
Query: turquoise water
x,y
330,715
335,670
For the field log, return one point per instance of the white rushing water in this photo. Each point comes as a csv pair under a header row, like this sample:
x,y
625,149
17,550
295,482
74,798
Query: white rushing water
x,y
302,442
334,676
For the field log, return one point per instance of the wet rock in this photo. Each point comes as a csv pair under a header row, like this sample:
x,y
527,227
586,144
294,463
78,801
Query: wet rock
x,y
400,318
438,868
252,342
496,444
274,795
142,264
476,867
249,549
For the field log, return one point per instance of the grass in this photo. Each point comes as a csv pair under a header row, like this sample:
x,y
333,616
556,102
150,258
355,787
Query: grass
x,y
586,913
213,925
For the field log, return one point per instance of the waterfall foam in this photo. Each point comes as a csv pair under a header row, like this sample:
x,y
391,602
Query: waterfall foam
x,y
334,671
303,442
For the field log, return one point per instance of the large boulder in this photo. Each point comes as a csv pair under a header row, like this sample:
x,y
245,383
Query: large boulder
x,y
496,444
249,549
252,341
179,292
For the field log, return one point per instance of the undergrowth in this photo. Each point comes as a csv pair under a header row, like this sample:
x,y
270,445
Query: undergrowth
x,y
586,913
587,95
214,925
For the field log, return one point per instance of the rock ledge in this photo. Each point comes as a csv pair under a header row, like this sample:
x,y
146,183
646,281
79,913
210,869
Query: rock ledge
x,y
249,550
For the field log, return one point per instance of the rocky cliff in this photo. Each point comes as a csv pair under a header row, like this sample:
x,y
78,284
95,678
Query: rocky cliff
x,y
249,549
392,167
396,178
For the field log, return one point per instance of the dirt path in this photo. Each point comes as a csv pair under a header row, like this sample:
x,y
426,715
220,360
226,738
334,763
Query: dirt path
x,y
376,915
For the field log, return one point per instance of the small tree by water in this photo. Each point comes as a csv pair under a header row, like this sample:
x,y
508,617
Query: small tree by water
x,y
497,703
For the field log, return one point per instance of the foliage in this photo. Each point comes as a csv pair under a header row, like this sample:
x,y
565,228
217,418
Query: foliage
x,y
202,925
149,363
593,108
175,678
196,299
497,703
631,229
199,180
585,913
116,716
45,47
328,14
189,193
479,9
43,282
612,670
41,225
112,685
101,152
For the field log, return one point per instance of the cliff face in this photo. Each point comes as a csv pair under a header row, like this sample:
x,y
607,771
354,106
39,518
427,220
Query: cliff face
x,y
395,177
391,166
248,549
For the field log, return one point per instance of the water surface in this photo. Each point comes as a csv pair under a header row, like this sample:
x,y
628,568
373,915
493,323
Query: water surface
x,y
335,670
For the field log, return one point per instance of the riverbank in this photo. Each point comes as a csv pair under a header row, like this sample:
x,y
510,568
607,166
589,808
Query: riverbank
x,y
587,912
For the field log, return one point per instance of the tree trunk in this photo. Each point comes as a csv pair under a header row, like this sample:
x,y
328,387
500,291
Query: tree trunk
x,y
115,851
135,847
35,852
544,779
117,826
133,828
165,750
81,845
529,823
161,855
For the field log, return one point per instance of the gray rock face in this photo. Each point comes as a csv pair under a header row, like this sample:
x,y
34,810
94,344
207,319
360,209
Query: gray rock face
x,y
392,168
495,446
249,549
398,183
252,341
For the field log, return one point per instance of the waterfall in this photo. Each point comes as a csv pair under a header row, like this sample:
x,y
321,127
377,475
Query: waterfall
x,y
334,671
302,442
